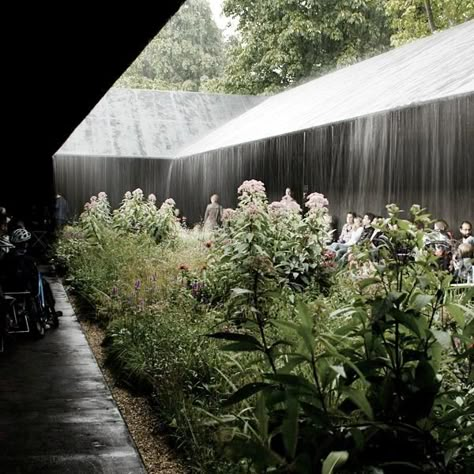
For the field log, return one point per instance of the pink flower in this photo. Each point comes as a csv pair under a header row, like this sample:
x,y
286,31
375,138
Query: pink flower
x,y
87,206
93,198
102,195
286,205
151,197
316,201
138,284
170,202
128,195
138,193
228,214
251,187
329,254
252,209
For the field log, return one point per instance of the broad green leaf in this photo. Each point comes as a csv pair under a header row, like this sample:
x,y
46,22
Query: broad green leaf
x,y
245,392
335,459
410,321
232,336
359,398
240,291
242,347
420,301
339,369
442,337
305,314
291,380
289,426
261,413
457,312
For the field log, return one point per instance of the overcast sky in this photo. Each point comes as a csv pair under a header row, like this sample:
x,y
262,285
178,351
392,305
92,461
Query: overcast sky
x,y
222,21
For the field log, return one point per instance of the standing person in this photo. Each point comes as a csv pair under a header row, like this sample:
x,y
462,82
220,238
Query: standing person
x,y
61,211
213,215
288,195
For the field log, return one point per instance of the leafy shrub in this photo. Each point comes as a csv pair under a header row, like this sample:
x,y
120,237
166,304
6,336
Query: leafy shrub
x,y
371,393
287,247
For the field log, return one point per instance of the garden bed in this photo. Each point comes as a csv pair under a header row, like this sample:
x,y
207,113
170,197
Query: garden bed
x,y
151,442
259,354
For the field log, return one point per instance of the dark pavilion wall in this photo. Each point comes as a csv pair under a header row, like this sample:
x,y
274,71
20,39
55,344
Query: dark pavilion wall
x,y
422,154
78,178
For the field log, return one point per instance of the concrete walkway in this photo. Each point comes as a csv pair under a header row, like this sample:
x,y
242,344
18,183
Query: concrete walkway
x,y
56,413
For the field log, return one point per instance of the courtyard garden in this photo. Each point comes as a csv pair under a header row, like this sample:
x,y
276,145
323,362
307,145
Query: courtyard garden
x,y
260,353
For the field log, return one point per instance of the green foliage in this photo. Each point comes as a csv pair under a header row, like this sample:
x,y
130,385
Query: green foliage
x,y
375,374
139,215
186,54
275,241
282,42
162,352
96,217
409,18
372,389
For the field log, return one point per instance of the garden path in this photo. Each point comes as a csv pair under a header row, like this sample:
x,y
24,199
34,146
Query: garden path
x,y
57,414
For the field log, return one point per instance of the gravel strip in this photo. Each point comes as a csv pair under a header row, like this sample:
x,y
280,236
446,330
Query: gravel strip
x,y
157,456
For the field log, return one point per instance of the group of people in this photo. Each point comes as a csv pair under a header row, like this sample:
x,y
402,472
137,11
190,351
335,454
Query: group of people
x,y
18,269
456,255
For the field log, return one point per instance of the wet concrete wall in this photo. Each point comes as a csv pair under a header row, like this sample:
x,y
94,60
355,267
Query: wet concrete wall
x,y
422,154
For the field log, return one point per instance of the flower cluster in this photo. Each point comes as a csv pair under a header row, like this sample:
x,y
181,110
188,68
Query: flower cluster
x,y
316,201
228,214
252,209
138,193
151,198
286,205
251,187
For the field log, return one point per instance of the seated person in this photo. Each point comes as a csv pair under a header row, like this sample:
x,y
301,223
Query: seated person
x,y
440,240
19,270
342,249
368,230
463,266
346,231
466,233
441,231
20,273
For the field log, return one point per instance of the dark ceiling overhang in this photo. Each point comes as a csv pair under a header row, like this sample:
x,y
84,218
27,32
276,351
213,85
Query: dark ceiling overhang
x,y
58,61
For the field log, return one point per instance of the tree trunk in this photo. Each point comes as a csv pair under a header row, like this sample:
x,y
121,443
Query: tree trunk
x,y
429,14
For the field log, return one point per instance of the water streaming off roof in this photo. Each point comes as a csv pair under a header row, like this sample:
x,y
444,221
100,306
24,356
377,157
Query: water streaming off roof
x,y
441,65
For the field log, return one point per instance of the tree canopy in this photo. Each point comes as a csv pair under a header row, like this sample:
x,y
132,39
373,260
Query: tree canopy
x,y
185,55
279,43
411,19
283,41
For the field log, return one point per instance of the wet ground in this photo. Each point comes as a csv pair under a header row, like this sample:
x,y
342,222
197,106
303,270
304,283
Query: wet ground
x,y
57,414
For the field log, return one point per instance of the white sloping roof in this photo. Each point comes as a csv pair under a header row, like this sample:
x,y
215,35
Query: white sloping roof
x,y
154,124
438,66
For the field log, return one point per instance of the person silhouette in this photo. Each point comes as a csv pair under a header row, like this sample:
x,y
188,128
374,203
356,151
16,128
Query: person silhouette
x,y
213,214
